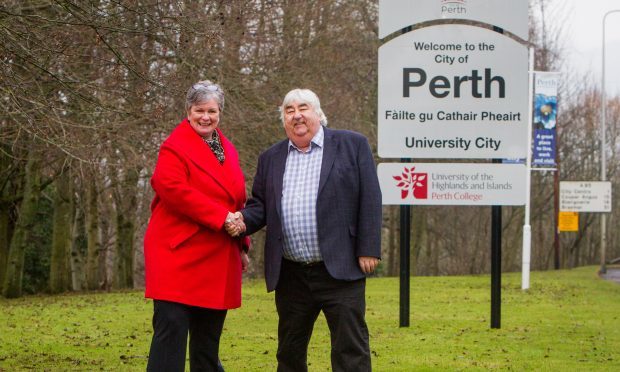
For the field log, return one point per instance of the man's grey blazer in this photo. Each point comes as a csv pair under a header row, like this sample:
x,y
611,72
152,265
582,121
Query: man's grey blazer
x,y
348,205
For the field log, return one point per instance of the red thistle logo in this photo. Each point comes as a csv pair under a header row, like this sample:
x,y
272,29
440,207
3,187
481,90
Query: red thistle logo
x,y
409,180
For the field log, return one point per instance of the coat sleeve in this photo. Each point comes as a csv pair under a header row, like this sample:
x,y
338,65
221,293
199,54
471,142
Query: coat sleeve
x,y
254,211
370,209
170,182
246,244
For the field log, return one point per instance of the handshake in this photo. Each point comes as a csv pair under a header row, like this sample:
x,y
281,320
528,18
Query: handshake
x,y
234,224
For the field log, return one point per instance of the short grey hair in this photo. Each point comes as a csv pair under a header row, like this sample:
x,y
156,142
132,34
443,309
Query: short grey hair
x,y
203,91
303,96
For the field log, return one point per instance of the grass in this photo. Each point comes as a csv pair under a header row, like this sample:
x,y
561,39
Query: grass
x,y
568,320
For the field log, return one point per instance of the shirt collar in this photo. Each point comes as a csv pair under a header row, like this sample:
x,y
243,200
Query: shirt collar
x,y
317,140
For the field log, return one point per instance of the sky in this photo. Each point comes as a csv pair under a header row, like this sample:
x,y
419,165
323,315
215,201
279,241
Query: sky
x,y
581,23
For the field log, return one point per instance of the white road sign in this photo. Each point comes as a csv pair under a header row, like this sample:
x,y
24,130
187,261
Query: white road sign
x,y
452,91
576,196
510,15
452,184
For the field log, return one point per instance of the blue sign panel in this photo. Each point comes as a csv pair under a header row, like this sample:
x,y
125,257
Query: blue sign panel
x,y
544,147
545,119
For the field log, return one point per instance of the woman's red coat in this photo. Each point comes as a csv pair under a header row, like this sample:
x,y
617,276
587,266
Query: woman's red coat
x,y
189,257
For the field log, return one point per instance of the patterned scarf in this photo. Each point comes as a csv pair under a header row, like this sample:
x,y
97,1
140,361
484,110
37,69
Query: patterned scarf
x,y
216,146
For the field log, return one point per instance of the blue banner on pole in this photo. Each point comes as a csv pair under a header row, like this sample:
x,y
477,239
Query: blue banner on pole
x,y
544,147
545,118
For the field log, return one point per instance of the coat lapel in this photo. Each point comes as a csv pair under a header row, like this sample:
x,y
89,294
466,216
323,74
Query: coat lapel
x,y
231,170
201,155
330,145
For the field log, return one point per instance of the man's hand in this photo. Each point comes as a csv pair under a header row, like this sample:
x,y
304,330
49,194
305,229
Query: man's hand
x,y
368,264
234,224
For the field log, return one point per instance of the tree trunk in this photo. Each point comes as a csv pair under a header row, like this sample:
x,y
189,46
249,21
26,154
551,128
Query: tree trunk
x,y
418,235
434,257
4,237
95,268
256,255
107,240
60,280
124,250
78,276
393,241
12,287
5,209
126,205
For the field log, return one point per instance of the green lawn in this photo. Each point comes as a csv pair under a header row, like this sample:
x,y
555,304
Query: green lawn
x,y
567,321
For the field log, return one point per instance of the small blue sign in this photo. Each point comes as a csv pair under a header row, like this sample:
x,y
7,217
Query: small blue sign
x,y
543,152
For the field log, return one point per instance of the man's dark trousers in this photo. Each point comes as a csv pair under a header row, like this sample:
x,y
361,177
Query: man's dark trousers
x,y
302,293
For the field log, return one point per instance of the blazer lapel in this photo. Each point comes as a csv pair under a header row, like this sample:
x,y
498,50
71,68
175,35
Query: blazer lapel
x,y
279,163
330,145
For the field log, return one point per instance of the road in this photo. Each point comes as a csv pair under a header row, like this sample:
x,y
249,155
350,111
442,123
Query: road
x,y
613,273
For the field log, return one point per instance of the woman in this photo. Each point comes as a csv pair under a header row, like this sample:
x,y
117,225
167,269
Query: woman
x,y
193,267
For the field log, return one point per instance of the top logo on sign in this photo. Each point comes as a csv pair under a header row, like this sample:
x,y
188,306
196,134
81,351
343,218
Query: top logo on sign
x,y
453,7
547,83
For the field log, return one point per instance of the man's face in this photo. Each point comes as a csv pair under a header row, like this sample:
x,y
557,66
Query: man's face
x,y
301,123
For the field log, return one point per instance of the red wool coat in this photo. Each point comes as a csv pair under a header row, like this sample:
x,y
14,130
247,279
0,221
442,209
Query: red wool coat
x,y
189,257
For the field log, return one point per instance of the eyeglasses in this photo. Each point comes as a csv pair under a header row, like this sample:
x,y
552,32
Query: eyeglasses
x,y
210,87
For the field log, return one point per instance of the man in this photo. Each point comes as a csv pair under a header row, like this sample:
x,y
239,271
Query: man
x,y
318,194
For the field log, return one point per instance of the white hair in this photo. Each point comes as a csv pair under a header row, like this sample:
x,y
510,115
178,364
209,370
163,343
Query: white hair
x,y
204,91
303,96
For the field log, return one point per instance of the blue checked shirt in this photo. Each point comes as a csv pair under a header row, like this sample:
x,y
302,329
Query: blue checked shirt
x,y
299,192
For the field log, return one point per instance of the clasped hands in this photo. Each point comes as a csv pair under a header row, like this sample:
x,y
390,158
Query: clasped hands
x,y
234,224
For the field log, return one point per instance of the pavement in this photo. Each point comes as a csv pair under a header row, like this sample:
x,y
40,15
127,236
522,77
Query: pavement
x,y
613,274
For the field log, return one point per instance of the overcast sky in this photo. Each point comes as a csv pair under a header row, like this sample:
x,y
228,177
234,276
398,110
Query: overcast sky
x,y
582,22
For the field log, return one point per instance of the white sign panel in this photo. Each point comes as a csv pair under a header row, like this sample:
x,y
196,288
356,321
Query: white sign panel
x,y
585,196
510,15
453,91
452,184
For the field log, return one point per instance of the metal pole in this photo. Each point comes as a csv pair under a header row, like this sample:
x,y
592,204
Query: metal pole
x,y
603,269
527,229
405,240
496,263
556,215
405,247
496,266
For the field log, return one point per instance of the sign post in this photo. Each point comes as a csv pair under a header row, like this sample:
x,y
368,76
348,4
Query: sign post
x,y
457,91
405,269
527,228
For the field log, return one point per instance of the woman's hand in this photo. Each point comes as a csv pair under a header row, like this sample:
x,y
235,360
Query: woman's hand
x,y
245,261
234,224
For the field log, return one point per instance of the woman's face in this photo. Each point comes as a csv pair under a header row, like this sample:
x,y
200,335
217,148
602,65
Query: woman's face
x,y
204,117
